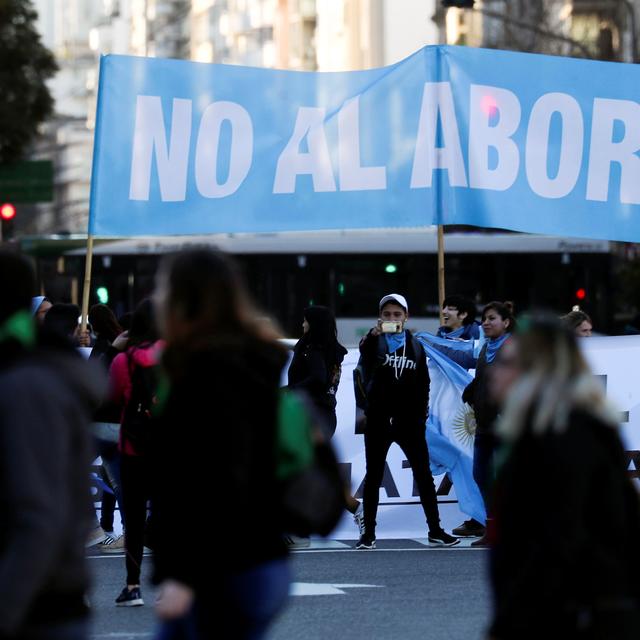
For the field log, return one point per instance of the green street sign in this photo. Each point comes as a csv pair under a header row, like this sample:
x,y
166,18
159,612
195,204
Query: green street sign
x,y
30,181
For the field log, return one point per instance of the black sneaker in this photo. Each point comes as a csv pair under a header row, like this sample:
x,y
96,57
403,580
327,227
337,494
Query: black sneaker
x,y
442,539
469,529
366,542
130,598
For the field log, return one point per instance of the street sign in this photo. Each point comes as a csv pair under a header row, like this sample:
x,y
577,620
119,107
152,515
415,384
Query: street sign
x,y
29,181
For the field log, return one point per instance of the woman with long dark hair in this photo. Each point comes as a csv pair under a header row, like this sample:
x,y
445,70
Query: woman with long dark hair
x,y
132,379
498,323
562,484
315,369
215,448
316,364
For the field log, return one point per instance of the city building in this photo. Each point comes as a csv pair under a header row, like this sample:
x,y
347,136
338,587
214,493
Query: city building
x,y
597,29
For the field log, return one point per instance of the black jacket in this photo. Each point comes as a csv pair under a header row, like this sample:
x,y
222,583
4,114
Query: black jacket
x,y
567,526
397,388
477,395
318,375
215,452
46,400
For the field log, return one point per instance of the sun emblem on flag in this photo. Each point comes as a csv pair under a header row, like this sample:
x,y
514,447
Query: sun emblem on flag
x,y
464,425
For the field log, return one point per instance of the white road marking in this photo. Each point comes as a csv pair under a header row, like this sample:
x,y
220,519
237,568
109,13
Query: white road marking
x,y
320,589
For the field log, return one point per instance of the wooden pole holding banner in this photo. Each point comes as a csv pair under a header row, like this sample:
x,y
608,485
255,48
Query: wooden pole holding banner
x,y
441,294
86,291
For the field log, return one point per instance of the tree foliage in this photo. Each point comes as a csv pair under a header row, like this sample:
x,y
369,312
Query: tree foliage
x,y
25,66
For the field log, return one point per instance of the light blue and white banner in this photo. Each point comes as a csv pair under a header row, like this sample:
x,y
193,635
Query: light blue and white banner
x,y
451,135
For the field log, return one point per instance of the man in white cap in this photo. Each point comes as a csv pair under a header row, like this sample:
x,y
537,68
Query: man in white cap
x,y
397,393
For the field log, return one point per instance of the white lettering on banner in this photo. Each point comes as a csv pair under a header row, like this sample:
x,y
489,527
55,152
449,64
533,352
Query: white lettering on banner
x,y
171,160
241,153
604,150
493,155
571,145
353,176
316,162
437,100
485,101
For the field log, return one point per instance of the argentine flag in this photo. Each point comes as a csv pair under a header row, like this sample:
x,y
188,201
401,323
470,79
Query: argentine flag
x,y
451,424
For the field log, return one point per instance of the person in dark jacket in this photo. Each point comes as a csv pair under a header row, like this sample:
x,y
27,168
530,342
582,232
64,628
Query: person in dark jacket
x,y
48,395
398,398
564,469
498,323
217,431
106,423
315,368
138,362
316,364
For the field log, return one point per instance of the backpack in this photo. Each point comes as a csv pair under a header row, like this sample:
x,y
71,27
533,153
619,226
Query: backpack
x,y
136,421
312,488
363,379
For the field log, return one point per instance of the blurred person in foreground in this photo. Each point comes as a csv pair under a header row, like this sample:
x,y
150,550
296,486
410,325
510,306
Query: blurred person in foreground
x,y
48,394
575,573
217,431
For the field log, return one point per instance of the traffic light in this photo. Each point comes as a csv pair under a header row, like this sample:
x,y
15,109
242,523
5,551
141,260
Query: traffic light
x,y
103,295
581,294
458,4
7,215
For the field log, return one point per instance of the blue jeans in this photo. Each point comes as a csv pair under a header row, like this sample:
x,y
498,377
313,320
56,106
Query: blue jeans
x,y
485,446
249,602
110,455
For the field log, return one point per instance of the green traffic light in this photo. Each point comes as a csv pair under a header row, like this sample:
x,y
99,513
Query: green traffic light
x,y
391,268
103,295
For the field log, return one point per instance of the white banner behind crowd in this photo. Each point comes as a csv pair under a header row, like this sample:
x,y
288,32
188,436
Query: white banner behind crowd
x,y
615,359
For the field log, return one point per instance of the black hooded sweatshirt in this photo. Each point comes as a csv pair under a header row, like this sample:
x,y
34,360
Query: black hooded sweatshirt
x,y
399,381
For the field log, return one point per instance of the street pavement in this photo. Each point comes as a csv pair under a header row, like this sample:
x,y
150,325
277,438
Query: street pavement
x,y
401,590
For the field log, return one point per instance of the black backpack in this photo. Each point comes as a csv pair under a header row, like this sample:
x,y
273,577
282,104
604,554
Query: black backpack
x,y
136,422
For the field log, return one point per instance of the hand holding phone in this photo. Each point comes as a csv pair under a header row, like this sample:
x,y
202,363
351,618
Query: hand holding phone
x,y
391,327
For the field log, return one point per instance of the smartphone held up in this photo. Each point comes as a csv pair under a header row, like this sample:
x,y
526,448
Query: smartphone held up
x,y
391,327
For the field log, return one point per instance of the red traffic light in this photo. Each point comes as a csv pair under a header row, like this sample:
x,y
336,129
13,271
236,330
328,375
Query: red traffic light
x,y
7,211
581,294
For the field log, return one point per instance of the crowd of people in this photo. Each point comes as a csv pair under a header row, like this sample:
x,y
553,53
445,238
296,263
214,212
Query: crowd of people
x,y
165,388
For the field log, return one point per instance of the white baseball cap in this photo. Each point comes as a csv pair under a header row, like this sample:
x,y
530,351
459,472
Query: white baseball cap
x,y
394,297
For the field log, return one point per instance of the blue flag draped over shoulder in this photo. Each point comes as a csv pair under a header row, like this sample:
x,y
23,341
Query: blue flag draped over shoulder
x,y
451,135
451,424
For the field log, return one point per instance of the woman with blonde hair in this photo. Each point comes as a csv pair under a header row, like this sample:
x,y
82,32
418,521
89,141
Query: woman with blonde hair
x,y
565,558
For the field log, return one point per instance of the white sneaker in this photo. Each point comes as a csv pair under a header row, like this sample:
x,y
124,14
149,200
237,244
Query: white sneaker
x,y
112,544
358,518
